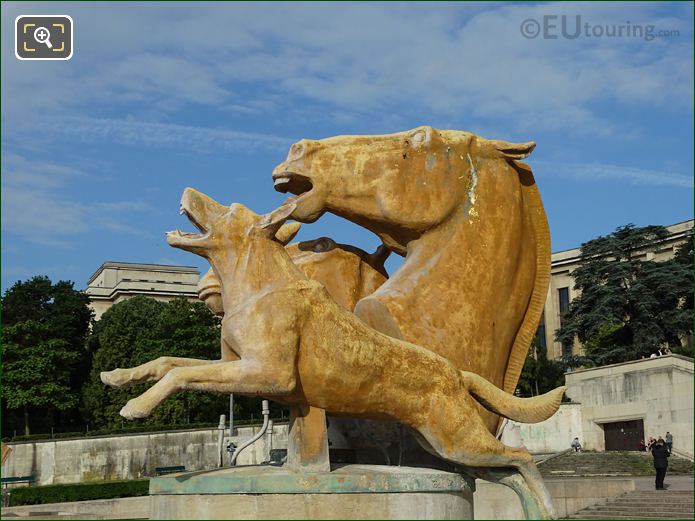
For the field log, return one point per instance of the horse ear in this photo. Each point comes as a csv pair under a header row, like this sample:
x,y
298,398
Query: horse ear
x,y
287,232
271,222
513,150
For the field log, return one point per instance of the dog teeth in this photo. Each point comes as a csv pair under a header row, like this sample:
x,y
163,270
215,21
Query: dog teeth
x,y
281,180
182,211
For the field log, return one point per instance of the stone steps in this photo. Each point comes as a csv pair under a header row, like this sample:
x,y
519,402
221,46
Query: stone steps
x,y
593,464
643,504
601,515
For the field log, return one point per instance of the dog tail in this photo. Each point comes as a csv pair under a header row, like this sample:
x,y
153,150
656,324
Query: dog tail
x,y
524,410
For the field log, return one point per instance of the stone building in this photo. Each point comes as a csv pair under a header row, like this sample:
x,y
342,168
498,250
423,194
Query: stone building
x,y
561,291
624,403
616,406
114,282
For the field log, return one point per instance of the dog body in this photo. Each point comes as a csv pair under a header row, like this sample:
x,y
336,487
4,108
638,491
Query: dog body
x,y
296,345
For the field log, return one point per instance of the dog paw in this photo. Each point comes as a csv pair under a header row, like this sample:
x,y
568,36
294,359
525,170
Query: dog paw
x,y
115,378
133,410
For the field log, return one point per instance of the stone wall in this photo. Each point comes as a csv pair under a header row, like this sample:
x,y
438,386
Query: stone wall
x,y
553,435
129,456
490,501
493,501
659,391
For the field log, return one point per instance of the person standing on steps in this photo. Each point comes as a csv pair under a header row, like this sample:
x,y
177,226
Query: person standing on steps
x,y
660,454
669,441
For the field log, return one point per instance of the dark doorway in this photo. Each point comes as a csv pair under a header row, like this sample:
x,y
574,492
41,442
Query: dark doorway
x,y
623,435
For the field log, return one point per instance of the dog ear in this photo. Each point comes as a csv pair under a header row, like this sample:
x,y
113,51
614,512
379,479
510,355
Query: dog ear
x,y
287,232
271,222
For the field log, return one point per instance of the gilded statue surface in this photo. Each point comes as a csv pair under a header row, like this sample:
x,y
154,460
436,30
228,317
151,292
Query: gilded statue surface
x,y
438,346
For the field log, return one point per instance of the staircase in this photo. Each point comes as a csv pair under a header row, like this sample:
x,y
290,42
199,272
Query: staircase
x,y
613,463
643,504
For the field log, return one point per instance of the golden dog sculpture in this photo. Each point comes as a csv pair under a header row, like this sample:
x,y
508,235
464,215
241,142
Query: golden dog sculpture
x,y
469,217
348,274
296,345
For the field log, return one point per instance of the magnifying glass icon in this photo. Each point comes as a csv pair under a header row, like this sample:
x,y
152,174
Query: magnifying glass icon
x,y
43,35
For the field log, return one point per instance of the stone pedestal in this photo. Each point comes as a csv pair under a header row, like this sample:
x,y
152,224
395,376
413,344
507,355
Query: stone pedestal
x,y
348,492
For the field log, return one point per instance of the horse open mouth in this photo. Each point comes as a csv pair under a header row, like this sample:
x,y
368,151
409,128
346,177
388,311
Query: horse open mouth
x,y
296,184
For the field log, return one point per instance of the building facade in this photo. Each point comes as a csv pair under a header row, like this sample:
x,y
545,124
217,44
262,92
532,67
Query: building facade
x,y
561,291
617,406
114,282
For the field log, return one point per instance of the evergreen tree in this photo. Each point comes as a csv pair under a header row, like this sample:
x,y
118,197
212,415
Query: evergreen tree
x,y
629,307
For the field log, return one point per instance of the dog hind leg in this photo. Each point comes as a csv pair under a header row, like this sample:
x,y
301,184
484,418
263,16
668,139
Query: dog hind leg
x,y
473,446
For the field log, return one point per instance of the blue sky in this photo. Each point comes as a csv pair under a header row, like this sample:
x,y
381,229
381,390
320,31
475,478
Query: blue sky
x,y
97,150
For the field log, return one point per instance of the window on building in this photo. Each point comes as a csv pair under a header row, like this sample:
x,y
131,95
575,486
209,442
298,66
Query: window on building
x,y
564,298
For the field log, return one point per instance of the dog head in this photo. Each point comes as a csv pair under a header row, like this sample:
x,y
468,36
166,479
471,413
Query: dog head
x,y
227,228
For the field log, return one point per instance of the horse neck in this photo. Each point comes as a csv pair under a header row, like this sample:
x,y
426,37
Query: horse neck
x,y
426,256
465,232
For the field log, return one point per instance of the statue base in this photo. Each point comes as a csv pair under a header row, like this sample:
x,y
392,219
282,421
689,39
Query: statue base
x,y
347,492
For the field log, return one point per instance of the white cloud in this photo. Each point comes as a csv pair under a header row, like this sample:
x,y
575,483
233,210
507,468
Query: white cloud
x,y
597,171
361,58
169,135
35,208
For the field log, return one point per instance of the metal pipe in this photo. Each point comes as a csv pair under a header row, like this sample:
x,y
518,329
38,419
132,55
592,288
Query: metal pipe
x,y
259,435
231,415
269,443
220,440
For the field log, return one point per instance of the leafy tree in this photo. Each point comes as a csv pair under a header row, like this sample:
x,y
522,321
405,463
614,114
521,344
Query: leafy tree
x,y
629,307
43,350
119,339
539,374
141,329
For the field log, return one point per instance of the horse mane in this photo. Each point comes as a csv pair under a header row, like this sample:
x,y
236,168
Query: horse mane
x,y
529,325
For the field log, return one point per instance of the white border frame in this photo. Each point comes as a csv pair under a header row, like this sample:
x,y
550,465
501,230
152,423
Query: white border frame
x,y
72,36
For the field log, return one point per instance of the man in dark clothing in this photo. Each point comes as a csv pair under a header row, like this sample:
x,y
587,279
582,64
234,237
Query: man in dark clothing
x,y
660,454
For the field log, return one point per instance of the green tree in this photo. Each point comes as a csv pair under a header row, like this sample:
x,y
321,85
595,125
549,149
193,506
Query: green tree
x,y
43,350
629,307
539,374
119,339
141,329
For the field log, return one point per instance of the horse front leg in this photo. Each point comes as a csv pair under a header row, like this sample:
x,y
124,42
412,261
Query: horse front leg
x,y
152,370
240,376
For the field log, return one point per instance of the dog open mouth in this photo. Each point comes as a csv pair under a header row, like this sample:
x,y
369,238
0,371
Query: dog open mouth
x,y
189,215
296,184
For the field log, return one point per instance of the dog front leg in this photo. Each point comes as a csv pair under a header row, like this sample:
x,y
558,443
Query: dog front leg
x,y
240,376
152,370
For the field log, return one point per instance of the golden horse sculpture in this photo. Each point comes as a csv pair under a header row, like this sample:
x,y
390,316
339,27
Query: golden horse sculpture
x,y
296,345
469,219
